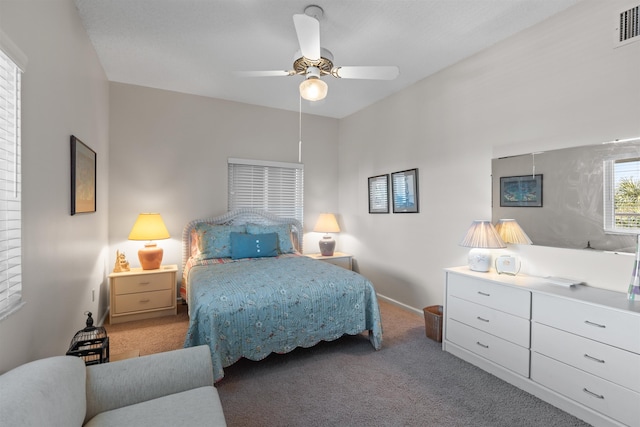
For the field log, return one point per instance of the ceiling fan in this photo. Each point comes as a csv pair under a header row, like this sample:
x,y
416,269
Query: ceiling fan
x,y
314,61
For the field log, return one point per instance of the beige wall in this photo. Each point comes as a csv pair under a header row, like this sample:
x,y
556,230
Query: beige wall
x,y
169,155
560,83
64,92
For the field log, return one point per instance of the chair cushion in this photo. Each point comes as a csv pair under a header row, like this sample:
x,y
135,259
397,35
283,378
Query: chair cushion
x,y
46,392
197,407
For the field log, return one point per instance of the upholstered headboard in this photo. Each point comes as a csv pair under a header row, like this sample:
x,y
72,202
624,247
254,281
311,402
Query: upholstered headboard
x,y
239,217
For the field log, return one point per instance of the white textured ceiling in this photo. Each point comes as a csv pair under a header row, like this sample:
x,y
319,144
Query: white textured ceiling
x,y
195,46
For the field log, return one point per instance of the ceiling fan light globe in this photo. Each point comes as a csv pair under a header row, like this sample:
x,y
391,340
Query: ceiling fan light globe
x,y
313,89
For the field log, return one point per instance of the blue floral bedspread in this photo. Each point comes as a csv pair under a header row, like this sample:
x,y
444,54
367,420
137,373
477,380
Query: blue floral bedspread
x,y
255,307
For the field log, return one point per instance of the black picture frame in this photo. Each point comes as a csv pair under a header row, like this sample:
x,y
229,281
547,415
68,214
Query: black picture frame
x,y
404,186
83,177
379,194
521,191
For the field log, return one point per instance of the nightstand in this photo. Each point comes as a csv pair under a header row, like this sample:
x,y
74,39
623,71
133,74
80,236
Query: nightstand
x,y
142,294
338,258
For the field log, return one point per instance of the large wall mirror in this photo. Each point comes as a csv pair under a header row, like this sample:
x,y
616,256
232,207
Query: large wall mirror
x,y
557,196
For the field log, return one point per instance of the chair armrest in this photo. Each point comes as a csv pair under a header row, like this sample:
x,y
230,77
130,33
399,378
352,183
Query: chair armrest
x,y
130,381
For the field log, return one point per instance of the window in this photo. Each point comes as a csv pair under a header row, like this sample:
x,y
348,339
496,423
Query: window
x,y
10,181
272,186
622,196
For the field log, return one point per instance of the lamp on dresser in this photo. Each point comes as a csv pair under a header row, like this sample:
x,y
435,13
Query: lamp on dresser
x,y
148,227
481,236
511,233
327,223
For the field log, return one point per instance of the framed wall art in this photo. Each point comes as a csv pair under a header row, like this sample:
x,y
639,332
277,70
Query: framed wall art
x,y
83,177
379,194
521,191
404,186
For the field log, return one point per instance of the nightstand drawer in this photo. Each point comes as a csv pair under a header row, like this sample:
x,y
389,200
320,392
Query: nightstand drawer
x,y
143,301
142,283
503,325
510,300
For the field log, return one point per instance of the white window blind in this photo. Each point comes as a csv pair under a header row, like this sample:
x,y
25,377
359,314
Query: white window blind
x,y
272,186
10,187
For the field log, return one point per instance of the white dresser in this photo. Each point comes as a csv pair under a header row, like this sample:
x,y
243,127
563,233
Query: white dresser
x,y
577,348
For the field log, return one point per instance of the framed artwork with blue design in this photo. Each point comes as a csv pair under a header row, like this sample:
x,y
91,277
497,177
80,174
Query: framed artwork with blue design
x,y
521,191
404,186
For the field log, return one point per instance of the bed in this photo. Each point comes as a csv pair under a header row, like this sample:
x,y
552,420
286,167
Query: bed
x,y
248,300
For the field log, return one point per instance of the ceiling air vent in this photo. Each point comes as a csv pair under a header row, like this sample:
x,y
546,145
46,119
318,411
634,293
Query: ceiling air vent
x,y
628,27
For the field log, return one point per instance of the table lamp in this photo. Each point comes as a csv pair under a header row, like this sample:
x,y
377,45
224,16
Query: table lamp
x,y
481,236
149,226
510,232
327,223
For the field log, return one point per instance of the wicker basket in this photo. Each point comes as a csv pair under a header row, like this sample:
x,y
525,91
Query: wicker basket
x,y
433,322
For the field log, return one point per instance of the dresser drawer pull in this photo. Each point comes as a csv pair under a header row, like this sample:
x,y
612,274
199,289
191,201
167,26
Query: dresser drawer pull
x,y
482,345
484,294
144,300
143,283
482,320
586,390
598,325
594,358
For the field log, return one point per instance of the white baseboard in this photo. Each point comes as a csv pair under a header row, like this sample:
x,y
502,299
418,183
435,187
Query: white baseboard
x,y
401,305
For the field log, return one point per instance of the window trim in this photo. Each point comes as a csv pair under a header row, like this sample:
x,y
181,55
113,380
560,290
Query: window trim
x,y
13,300
609,193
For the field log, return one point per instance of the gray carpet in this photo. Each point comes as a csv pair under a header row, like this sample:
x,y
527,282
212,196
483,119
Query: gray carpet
x,y
409,382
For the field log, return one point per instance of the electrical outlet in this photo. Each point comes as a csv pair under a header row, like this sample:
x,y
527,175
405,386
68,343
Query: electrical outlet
x,y
93,295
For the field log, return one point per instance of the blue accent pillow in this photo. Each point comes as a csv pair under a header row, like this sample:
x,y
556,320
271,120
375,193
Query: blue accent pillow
x,y
284,235
214,240
254,245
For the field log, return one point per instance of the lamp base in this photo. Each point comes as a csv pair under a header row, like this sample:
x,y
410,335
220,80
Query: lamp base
x,y
479,260
327,245
150,256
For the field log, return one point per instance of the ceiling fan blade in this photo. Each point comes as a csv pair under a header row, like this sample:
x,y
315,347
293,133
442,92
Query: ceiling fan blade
x,y
308,31
274,73
364,72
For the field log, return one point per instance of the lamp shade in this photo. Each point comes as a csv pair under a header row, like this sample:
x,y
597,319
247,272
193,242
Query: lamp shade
x,y
327,223
481,236
313,89
511,232
149,226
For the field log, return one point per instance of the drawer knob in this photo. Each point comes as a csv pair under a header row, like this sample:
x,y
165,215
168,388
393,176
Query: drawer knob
x,y
484,294
482,320
482,345
589,392
597,325
595,359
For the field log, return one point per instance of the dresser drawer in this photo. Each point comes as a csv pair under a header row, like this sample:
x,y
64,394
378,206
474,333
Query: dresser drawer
x,y
599,323
143,301
142,283
504,353
610,363
601,395
506,326
510,300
